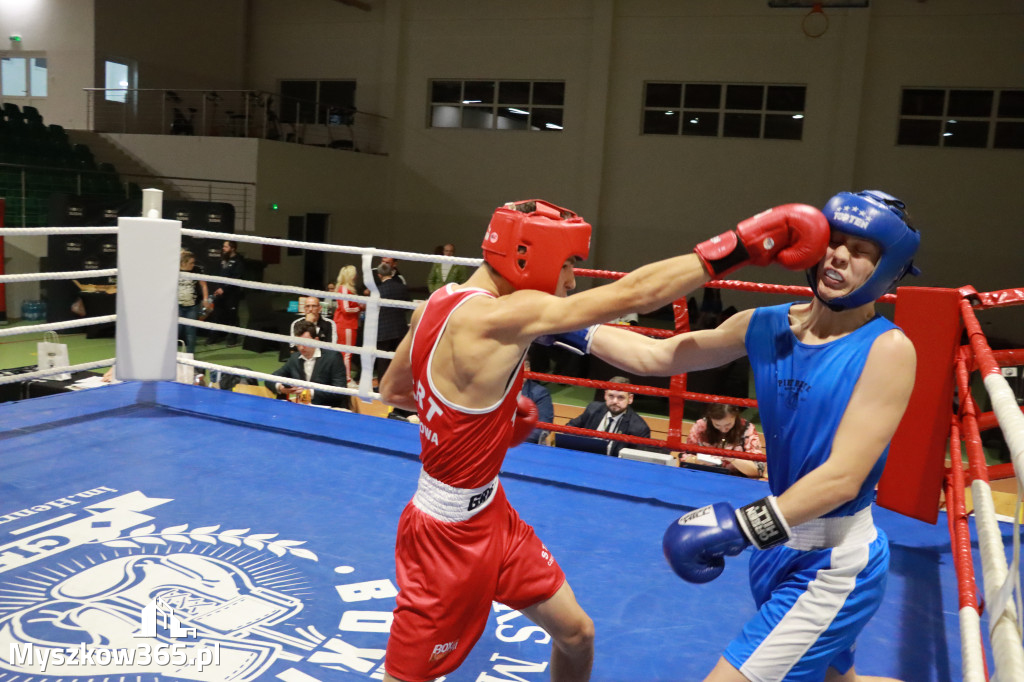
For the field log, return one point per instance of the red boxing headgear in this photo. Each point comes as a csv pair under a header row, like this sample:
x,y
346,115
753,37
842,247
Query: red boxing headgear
x,y
528,241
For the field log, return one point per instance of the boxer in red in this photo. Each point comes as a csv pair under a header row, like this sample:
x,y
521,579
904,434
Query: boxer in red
x,y
460,543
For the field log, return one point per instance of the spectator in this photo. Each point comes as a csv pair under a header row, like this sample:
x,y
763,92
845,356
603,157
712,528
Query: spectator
x,y
393,269
723,427
310,363
391,324
329,305
613,415
227,296
192,296
325,329
446,273
542,399
346,317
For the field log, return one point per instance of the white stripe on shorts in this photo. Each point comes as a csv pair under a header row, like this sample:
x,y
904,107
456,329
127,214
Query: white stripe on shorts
x,y
810,616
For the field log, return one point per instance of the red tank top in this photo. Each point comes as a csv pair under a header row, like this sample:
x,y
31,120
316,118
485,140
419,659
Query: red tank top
x,y
460,446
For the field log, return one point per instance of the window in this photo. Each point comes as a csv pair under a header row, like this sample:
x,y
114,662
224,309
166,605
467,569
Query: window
x,y
23,76
311,101
497,105
724,110
116,82
931,117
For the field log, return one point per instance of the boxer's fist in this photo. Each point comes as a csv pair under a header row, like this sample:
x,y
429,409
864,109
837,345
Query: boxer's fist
x,y
697,543
526,420
576,341
794,235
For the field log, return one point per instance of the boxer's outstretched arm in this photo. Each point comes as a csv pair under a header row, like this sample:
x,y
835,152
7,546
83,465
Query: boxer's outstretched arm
x,y
869,422
687,352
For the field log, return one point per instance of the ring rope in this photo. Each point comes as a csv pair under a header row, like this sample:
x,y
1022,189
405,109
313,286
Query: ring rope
x,y
284,338
42,231
972,650
270,377
29,376
301,291
331,248
1004,633
641,390
75,274
58,326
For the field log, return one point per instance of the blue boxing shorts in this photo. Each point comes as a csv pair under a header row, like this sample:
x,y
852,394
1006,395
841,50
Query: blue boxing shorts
x,y
812,601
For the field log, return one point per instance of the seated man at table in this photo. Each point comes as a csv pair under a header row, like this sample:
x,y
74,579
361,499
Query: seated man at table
x,y
325,329
613,415
310,363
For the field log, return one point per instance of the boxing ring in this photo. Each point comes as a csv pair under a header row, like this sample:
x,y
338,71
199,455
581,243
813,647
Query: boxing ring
x,y
266,529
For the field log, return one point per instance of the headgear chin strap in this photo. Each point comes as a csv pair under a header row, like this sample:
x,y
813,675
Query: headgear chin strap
x,y
527,242
881,218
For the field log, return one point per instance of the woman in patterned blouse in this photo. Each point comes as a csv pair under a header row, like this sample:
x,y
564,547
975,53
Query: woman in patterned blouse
x,y
723,427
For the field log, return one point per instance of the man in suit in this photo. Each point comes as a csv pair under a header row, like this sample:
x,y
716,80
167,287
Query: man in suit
x,y
614,415
392,322
326,330
310,363
446,273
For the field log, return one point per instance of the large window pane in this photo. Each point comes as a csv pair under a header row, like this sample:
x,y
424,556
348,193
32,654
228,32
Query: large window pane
x,y
742,125
970,103
966,134
514,92
478,92
12,75
446,92
785,98
115,80
549,92
703,123
442,116
703,96
663,95
298,101
37,76
744,97
783,126
661,122
1011,104
922,102
546,119
513,118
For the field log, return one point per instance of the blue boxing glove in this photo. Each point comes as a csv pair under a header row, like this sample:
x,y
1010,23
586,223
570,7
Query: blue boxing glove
x,y
576,341
697,543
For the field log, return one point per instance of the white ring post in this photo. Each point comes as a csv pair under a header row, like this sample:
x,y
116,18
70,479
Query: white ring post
x,y
148,262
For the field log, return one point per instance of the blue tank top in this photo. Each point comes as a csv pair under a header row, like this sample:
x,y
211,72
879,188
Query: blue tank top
x,y
802,393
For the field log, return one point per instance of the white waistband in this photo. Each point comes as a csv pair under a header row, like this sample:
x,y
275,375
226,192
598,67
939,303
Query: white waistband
x,y
838,531
448,503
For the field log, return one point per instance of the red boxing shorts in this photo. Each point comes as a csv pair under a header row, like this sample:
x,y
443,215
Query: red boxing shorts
x,y
449,572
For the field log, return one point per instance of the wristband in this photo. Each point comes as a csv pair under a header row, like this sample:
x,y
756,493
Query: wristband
x,y
763,523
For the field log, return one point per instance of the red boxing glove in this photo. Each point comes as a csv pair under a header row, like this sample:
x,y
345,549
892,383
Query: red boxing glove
x,y
526,420
794,235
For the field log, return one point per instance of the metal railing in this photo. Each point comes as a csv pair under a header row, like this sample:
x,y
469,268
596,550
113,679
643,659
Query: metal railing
x,y
234,113
28,190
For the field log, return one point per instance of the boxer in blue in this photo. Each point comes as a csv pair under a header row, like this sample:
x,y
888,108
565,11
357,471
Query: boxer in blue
x,y
832,380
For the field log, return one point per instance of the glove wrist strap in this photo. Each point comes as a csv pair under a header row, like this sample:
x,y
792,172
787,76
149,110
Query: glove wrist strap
x,y
719,261
763,523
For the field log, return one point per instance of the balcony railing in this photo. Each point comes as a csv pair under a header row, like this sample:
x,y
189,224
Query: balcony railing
x,y
234,113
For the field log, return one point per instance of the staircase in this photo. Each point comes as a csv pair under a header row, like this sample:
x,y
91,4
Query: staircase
x,y
129,168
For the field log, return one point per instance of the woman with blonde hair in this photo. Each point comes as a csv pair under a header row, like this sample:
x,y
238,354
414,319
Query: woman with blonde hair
x,y
346,316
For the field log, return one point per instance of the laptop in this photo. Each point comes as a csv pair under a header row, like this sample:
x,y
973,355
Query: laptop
x,y
571,441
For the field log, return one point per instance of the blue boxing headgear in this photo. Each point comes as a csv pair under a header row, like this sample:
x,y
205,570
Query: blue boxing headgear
x,y
881,218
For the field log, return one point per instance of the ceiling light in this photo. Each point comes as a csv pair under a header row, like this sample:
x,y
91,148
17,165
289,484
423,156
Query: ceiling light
x,y
552,126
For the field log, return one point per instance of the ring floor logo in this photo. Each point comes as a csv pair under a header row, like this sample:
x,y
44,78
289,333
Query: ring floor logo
x,y
92,589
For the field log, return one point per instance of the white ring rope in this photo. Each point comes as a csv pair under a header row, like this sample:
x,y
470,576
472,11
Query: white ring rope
x,y
282,288
41,231
38,374
223,369
75,274
292,340
58,326
332,248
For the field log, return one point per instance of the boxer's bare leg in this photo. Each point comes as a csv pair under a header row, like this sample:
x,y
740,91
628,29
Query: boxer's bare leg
x,y
572,634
